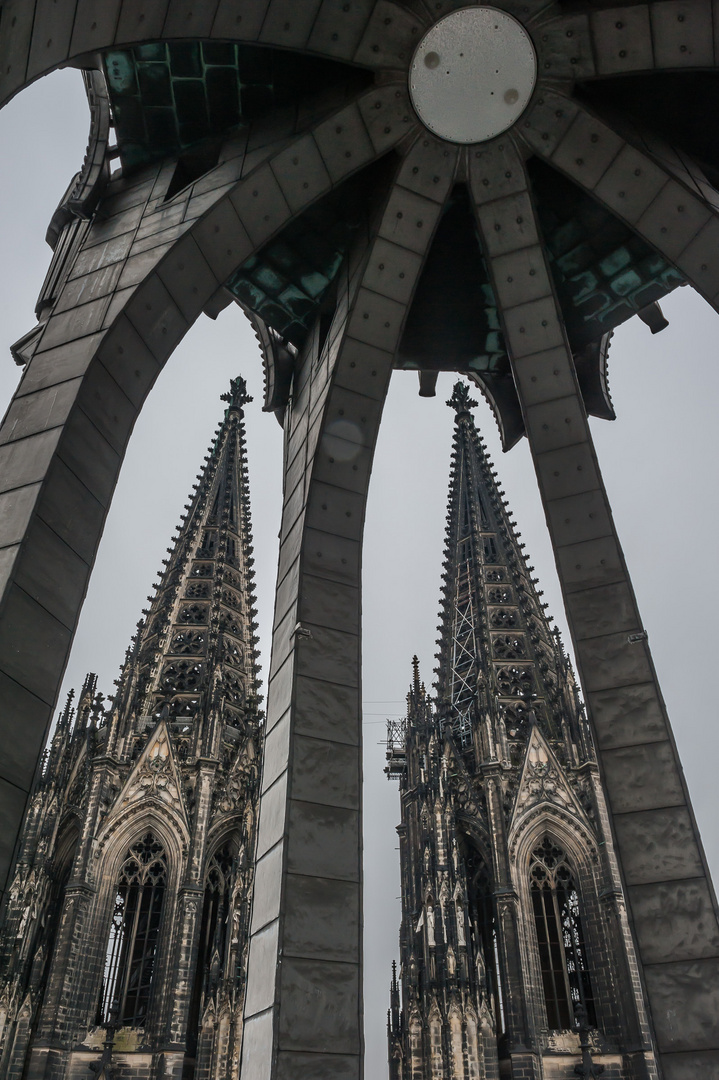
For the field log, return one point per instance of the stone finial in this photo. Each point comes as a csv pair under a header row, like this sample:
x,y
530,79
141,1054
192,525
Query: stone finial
x,y
460,400
237,395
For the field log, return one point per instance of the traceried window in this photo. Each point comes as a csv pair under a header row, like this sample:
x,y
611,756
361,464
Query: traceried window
x,y
134,934
562,952
214,935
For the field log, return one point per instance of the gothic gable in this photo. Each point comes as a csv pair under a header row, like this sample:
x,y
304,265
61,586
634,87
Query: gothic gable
x,y
543,781
155,778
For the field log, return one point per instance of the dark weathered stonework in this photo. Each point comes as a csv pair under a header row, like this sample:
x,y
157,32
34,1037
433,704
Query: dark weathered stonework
x,y
176,755
598,201
499,761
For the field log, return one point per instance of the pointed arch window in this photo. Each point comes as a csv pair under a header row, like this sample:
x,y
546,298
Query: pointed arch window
x,y
562,951
214,933
134,934
483,917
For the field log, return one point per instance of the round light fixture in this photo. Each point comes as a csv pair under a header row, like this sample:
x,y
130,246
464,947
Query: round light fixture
x,y
473,74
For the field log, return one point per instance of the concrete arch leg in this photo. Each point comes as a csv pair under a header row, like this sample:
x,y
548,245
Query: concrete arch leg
x,y
303,1013
656,838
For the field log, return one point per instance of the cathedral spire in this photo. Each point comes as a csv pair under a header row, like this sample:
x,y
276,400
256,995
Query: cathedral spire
x,y
154,796
196,652
511,964
500,665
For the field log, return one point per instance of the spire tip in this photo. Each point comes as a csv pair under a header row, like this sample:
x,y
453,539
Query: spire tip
x,y
237,395
460,400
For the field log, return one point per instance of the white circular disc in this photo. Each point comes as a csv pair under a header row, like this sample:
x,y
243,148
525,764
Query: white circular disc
x,y
473,74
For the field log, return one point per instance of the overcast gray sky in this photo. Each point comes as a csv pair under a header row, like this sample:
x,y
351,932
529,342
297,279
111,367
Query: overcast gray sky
x,y
659,462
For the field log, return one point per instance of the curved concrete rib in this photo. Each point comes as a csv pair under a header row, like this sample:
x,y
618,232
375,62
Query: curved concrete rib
x,y
680,35
656,838
658,193
39,36
145,271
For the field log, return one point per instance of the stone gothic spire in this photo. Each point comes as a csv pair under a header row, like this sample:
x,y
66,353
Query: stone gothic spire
x,y
499,659
516,958
130,904
195,652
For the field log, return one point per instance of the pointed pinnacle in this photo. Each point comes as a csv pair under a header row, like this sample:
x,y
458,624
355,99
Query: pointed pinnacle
x,y
415,674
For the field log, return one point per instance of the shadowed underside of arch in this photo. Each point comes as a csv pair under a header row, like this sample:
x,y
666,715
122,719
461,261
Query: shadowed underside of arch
x,y
269,154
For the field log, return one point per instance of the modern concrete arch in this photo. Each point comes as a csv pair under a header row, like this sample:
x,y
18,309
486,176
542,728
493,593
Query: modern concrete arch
x,y
39,37
108,335
64,436
614,660
303,1015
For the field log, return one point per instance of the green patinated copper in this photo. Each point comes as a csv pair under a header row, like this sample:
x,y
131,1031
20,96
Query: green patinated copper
x,y
169,97
603,272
